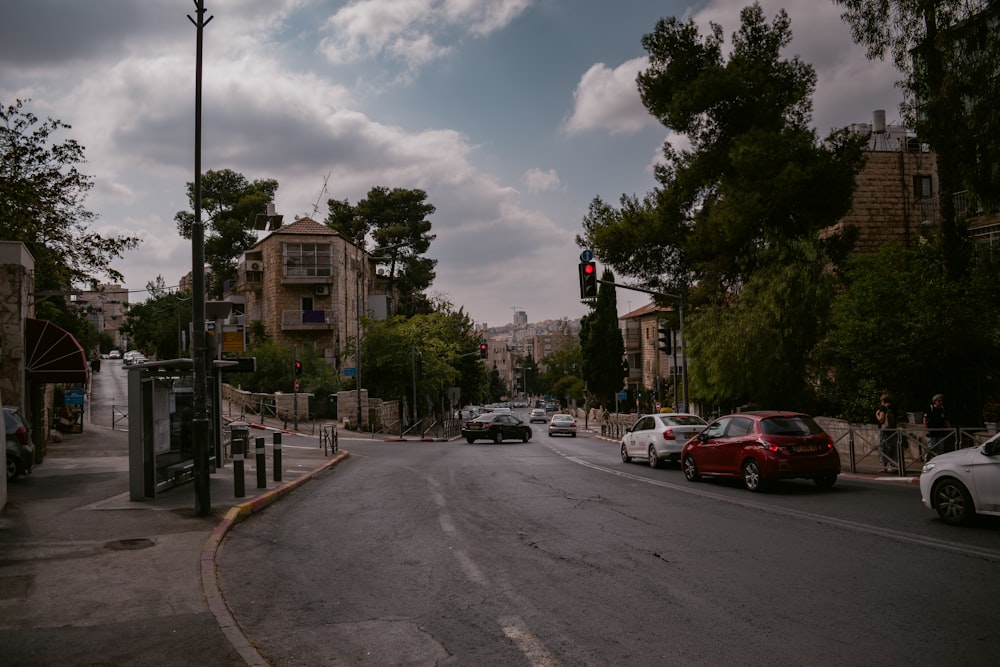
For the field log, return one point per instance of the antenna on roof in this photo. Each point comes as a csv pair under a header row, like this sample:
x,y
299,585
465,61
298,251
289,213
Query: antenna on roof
x,y
321,193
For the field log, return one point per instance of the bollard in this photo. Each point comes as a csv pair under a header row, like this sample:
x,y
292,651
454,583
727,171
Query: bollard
x,y
261,468
240,438
277,457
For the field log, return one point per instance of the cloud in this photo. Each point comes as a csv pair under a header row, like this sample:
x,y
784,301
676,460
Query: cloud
x,y
537,180
414,32
609,99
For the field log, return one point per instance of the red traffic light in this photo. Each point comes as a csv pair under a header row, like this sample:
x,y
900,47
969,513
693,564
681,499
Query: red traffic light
x,y
589,268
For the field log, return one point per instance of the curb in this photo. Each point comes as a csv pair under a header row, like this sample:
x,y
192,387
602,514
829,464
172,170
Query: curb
x,y
209,571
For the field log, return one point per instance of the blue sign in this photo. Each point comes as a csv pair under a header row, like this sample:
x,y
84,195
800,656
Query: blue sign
x,y
73,397
586,255
350,372
622,396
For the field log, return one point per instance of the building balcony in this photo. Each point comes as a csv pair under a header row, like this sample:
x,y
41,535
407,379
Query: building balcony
x,y
307,320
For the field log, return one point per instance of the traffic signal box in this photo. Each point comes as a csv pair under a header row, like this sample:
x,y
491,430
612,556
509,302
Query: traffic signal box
x,y
298,368
588,280
482,350
666,339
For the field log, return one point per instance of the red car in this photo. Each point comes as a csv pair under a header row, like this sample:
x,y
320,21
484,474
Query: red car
x,y
760,447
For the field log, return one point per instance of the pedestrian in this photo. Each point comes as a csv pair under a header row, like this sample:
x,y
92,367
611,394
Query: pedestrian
x,y
885,415
937,424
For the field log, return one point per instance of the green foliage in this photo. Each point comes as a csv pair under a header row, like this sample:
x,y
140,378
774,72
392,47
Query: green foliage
x,y
602,346
755,348
902,326
155,325
42,193
229,203
397,222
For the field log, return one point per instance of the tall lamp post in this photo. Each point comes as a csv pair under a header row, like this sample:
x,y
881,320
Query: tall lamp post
x,y
199,422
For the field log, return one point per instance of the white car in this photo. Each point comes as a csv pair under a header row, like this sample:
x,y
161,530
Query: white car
x,y
562,424
963,483
660,437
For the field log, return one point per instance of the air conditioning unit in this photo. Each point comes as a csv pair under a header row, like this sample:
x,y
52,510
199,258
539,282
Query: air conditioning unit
x,y
322,290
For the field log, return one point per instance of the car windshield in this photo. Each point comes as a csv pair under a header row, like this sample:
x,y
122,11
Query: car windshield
x,y
684,420
790,425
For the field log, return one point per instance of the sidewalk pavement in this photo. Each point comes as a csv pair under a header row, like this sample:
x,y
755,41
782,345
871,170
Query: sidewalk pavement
x,y
90,577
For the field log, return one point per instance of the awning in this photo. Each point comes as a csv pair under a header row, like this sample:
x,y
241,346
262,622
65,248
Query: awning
x,y
53,354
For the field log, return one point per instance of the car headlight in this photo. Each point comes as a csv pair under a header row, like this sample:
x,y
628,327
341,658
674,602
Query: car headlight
x,y
927,467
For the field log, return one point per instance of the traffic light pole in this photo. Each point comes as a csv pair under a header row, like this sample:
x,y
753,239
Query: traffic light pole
x,y
680,310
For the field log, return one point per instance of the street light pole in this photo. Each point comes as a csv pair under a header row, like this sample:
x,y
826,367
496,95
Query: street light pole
x,y
199,422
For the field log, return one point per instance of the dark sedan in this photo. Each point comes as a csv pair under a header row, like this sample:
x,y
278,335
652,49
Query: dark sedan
x,y
760,447
496,427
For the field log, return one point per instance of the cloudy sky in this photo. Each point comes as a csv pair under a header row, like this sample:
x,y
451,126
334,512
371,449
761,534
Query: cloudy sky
x,y
511,114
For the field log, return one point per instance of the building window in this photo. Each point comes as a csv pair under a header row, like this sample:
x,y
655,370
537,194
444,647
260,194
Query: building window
x,y
308,260
922,187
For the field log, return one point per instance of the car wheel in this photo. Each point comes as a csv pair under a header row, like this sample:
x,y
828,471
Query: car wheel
x,y
654,461
527,435
953,502
825,481
498,437
11,468
751,475
625,457
470,440
690,469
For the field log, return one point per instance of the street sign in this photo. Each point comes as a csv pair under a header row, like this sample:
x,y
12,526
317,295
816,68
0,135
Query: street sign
x,y
586,256
350,372
622,396
73,397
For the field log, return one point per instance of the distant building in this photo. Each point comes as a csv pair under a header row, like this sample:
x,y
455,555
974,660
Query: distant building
x,y
105,308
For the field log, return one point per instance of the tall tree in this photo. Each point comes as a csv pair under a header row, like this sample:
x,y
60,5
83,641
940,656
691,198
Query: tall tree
x,y
156,326
230,203
602,346
397,222
755,183
42,193
947,52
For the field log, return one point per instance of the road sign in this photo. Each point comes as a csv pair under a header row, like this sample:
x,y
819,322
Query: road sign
x,y
350,372
296,385
622,396
73,397
586,255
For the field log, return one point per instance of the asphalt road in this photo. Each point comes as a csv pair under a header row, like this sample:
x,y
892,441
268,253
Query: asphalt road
x,y
556,553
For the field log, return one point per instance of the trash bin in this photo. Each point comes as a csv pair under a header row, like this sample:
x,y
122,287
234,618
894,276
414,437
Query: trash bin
x,y
239,437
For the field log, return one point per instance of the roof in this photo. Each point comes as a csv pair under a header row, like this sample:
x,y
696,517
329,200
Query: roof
x,y
306,226
649,309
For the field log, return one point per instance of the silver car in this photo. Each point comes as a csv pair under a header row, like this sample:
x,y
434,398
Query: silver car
x,y
562,424
660,437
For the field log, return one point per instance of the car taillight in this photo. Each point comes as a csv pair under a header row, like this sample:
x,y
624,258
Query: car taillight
x,y
769,446
22,435
669,434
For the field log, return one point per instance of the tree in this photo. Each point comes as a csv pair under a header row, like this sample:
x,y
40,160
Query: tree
x,y
947,52
42,193
230,203
755,173
155,325
396,221
602,346
730,215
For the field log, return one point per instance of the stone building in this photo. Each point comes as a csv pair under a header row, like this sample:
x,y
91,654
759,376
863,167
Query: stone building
x,y
306,285
106,308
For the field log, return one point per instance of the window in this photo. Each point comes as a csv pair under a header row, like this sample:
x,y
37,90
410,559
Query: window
x,y
308,260
740,426
922,187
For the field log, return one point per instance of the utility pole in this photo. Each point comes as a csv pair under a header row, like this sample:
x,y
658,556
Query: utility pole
x,y
199,422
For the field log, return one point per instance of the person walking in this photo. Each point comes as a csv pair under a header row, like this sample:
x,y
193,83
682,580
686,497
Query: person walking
x,y
885,415
937,424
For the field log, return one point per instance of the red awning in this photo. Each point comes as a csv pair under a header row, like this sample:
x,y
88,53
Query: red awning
x,y
53,354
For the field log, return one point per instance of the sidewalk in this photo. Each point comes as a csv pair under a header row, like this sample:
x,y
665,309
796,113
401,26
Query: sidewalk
x,y
89,577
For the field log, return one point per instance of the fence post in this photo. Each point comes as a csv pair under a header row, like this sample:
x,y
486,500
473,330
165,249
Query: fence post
x,y
239,434
261,467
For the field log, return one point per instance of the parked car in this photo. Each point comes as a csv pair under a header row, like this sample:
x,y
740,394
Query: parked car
x,y
538,415
20,449
660,437
760,447
496,426
562,424
114,354
963,483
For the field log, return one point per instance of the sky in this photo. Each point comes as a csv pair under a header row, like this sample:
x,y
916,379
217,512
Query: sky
x,y
512,115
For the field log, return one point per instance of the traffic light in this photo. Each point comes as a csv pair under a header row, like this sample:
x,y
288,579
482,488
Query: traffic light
x,y
482,350
666,339
588,280
298,368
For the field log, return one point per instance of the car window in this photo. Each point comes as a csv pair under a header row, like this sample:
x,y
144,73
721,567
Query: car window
x,y
739,426
646,424
683,420
716,429
790,425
